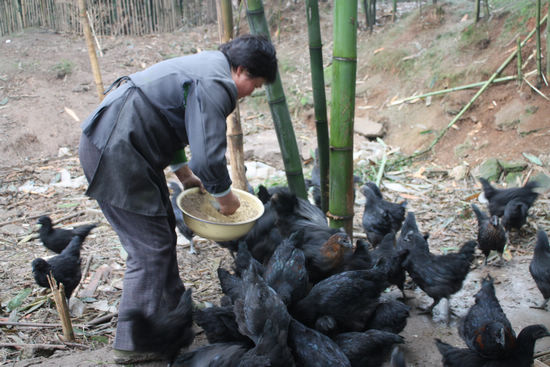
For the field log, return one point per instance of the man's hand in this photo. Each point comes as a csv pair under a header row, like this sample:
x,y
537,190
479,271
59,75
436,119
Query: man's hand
x,y
228,203
188,179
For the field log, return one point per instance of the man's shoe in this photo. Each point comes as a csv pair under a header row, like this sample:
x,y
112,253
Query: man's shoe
x,y
129,357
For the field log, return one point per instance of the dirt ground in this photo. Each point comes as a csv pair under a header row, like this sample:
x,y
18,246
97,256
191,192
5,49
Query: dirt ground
x,y
40,114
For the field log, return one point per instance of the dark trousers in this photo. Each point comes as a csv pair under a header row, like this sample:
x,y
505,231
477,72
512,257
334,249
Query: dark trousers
x,y
151,281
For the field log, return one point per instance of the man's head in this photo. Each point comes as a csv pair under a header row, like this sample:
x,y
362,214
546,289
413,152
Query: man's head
x,y
253,62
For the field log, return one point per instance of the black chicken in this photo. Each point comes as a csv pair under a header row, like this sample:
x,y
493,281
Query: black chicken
x,y
520,356
440,276
490,235
397,358
314,349
367,349
498,198
342,302
232,285
515,214
213,355
219,325
390,315
259,302
56,239
65,267
264,236
410,236
485,329
394,260
163,333
271,347
540,266
180,223
360,259
286,271
263,317
380,217
326,249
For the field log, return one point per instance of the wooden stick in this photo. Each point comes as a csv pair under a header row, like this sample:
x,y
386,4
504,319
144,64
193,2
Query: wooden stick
x,y
102,319
86,268
62,309
94,35
91,49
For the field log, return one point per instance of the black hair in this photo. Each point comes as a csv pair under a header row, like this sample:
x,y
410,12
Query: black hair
x,y
255,53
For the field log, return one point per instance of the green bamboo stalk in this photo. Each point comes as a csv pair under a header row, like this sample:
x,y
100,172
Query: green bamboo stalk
x,y
548,45
394,12
319,97
344,69
477,9
279,110
520,62
539,64
454,89
465,108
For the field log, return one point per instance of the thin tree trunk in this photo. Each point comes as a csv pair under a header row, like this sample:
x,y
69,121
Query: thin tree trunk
x,y
476,15
319,96
487,14
234,128
394,12
279,109
344,69
91,49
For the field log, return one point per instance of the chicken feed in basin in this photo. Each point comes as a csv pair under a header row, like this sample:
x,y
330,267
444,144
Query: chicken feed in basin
x,y
204,219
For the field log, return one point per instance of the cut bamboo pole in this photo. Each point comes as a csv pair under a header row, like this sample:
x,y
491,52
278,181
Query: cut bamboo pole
x,y
454,89
319,97
481,90
520,62
548,44
62,308
91,49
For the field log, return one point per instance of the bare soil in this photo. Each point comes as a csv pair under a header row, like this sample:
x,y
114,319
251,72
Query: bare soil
x,y
40,113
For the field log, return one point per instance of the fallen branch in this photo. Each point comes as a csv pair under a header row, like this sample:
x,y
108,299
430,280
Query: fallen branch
x,y
40,346
479,92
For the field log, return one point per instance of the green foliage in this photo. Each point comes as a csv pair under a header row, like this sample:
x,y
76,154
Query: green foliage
x,y
17,301
286,66
368,171
475,36
63,68
516,14
392,60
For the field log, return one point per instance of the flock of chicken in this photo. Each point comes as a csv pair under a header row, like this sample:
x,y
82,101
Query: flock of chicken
x,y
301,294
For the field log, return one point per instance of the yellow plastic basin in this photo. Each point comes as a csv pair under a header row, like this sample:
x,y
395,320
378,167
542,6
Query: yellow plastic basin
x,y
217,231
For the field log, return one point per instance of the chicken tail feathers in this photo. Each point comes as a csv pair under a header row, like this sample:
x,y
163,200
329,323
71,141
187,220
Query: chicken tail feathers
x,y
84,230
488,189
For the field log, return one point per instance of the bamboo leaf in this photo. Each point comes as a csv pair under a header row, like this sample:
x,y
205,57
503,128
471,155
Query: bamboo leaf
x,y
17,301
67,205
533,159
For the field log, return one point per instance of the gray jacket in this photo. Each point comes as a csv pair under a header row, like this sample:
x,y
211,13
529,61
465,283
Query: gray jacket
x,y
140,125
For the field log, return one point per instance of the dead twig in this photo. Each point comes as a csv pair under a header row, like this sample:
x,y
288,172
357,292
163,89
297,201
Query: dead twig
x,y
102,319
